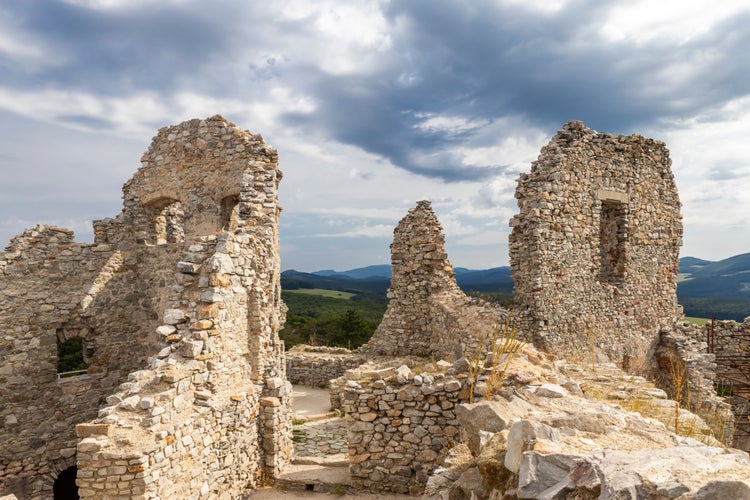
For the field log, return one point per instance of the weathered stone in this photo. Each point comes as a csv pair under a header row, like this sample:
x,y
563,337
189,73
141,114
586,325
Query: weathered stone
x,y
468,487
88,430
491,462
489,416
598,230
544,476
522,434
191,348
174,316
427,313
550,391
199,218
724,490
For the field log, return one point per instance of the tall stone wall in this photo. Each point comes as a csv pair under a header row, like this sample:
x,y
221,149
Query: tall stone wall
x,y
428,314
178,303
594,248
52,289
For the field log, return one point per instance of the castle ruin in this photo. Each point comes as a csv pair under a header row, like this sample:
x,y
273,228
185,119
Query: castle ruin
x,y
427,313
176,309
594,249
177,306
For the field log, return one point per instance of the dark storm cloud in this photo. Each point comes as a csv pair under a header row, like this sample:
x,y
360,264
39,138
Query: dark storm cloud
x,y
483,60
120,50
479,61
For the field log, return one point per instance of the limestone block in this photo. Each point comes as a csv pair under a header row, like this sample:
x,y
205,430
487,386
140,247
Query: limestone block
x,y
88,430
188,267
468,486
525,435
191,348
489,416
550,391
491,461
544,476
403,374
220,263
174,316
724,490
130,403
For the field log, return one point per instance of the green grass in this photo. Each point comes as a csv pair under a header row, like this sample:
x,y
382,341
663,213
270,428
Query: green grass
x,y
697,321
333,294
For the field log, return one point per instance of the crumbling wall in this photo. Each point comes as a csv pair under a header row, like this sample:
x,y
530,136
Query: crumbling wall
x,y
179,304
428,314
316,366
51,289
687,372
400,425
594,249
729,344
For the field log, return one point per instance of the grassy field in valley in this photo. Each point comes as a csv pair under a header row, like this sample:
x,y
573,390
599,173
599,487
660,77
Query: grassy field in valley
x,y
333,294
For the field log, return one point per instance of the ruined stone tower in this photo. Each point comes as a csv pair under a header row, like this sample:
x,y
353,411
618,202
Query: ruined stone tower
x,y
428,314
177,304
594,249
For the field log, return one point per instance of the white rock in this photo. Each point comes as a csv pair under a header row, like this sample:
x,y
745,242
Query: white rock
x,y
551,391
174,316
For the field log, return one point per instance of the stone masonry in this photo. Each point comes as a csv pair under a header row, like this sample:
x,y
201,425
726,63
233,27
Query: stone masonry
x,y
316,366
594,249
400,425
428,314
178,305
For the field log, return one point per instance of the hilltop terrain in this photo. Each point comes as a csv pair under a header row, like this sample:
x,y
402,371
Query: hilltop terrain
x,y
705,288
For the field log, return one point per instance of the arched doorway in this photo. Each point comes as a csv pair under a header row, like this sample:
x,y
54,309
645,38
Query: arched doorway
x,y
65,487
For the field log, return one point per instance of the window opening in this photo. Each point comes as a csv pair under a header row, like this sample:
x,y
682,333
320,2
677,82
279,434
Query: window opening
x,y
612,238
70,357
229,212
169,222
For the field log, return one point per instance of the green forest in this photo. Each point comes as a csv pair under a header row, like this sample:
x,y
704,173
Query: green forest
x,y
340,309
317,318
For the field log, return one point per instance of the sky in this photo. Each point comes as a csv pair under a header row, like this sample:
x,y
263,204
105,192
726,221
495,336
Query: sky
x,y
374,105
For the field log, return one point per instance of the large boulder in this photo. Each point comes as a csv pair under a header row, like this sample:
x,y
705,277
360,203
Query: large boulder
x,y
479,419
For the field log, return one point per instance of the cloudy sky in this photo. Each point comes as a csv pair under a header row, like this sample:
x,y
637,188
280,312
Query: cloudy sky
x,y
373,105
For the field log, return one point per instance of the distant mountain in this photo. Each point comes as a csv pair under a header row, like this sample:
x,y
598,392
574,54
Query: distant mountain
x,y
377,278
721,288
485,280
294,280
690,265
704,288
497,279
728,278
370,272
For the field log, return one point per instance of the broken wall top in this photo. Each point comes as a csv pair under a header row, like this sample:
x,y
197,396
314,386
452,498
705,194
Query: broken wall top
x,y
418,253
428,314
594,248
198,178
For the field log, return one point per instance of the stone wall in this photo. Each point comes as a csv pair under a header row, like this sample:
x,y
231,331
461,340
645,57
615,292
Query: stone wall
x,y
594,249
687,372
428,314
316,366
400,426
179,305
52,289
731,349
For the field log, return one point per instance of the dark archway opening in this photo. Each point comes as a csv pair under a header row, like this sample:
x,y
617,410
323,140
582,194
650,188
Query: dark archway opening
x,y
65,487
